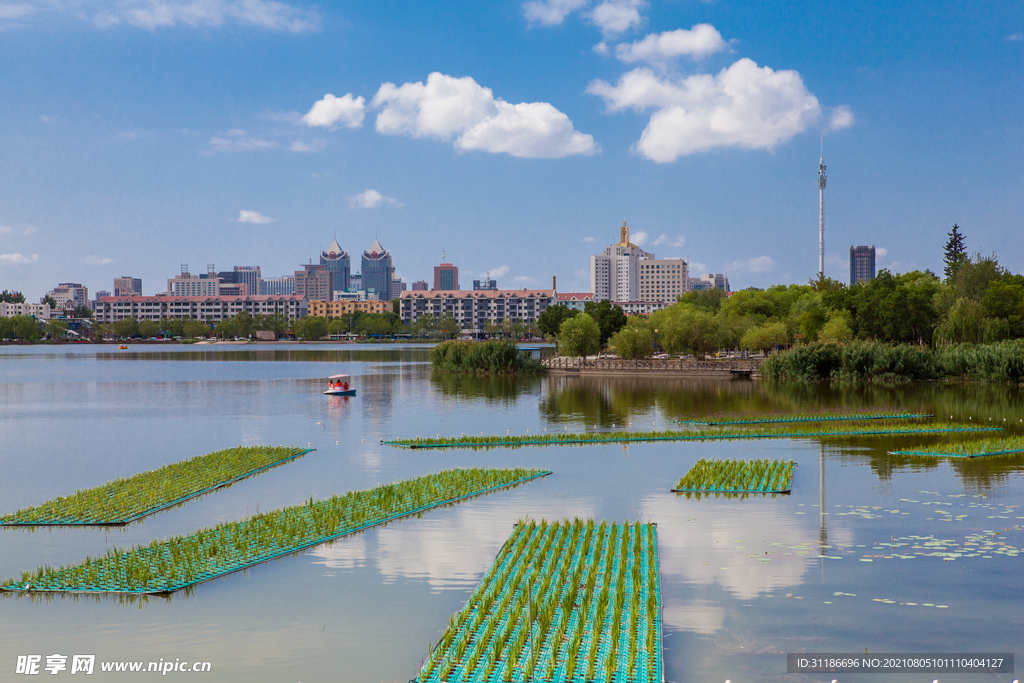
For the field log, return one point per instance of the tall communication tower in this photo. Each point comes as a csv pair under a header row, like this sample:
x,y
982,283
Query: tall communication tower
x,y
821,211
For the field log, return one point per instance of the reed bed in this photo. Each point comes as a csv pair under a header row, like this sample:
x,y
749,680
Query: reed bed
x,y
182,561
812,416
738,476
1013,445
571,602
622,436
122,501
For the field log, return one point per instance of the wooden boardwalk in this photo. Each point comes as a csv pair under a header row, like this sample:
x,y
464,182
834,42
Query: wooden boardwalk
x,y
740,368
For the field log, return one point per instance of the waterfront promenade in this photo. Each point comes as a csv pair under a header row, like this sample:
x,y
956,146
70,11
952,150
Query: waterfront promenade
x,y
745,368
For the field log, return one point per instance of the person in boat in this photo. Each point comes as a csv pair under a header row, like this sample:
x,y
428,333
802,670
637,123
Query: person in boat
x,y
345,386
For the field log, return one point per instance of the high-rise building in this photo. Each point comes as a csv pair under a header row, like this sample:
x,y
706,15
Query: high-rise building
x,y
446,277
615,274
397,286
127,286
862,264
716,281
335,259
419,286
485,285
277,286
249,276
315,282
663,279
187,284
68,295
377,272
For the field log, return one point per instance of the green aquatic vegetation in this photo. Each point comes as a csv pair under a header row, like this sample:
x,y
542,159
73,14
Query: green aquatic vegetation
x,y
804,416
623,436
1013,445
122,501
181,561
738,476
563,601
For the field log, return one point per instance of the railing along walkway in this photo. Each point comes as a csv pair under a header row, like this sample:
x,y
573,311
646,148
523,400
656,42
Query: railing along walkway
x,y
747,367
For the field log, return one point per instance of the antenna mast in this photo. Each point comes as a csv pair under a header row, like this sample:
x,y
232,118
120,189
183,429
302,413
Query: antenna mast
x,y
821,210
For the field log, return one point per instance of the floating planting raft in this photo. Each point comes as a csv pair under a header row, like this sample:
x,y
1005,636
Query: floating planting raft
x,y
183,561
572,602
123,501
972,449
567,438
738,476
824,416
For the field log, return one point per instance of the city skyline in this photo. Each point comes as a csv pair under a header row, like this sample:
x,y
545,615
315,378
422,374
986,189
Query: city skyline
x,y
239,139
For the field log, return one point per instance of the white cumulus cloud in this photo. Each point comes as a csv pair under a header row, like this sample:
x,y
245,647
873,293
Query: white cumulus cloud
x,y
500,271
757,264
617,16
841,118
523,279
155,14
446,107
589,239
16,11
98,260
1015,36
300,146
4,229
17,259
743,106
699,41
639,237
246,216
664,239
371,199
550,12
331,112
881,252
238,140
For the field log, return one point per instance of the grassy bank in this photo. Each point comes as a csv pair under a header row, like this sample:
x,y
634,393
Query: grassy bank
x,y
493,357
998,362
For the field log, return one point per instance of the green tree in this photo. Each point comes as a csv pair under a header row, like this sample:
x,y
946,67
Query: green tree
x,y
82,312
635,340
6,328
148,328
837,329
897,308
274,322
685,329
705,299
579,336
1005,299
244,324
311,328
396,306
195,328
56,329
550,321
125,328
50,301
448,326
765,337
25,328
9,297
954,253
609,317
226,329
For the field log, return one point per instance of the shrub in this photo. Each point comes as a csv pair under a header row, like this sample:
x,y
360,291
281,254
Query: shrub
x,y
494,357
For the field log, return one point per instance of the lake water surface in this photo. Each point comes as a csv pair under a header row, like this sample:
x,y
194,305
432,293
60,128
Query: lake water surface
x,y
743,579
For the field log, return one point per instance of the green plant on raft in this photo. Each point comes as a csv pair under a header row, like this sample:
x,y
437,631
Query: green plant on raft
x,y
728,433
839,414
124,500
754,476
166,566
1010,446
543,621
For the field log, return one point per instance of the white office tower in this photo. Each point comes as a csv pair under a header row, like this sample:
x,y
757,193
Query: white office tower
x,y
615,274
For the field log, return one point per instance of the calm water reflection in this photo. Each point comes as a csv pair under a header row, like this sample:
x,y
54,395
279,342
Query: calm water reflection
x,y
364,608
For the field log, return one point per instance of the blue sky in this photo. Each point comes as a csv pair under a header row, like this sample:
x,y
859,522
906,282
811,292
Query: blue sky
x,y
137,135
